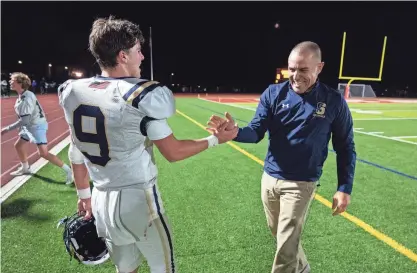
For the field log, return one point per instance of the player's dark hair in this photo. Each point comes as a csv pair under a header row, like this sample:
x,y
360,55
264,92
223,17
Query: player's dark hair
x,y
109,36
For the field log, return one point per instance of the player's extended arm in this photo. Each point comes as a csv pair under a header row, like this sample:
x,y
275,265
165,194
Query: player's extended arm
x,y
175,150
23,121
256,129
344,145
157,106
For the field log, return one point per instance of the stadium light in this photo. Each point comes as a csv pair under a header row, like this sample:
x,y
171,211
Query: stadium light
x,y
78,74
170,78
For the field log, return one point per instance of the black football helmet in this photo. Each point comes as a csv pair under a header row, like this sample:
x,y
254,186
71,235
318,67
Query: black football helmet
x,y
82,242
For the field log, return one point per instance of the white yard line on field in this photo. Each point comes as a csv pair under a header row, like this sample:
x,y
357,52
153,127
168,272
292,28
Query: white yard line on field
x,y
385,137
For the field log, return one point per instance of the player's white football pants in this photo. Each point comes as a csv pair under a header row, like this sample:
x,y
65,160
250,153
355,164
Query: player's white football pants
x,y
133,222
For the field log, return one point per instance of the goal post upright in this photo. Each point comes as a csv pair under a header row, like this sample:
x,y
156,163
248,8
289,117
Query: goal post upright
x,y
351,79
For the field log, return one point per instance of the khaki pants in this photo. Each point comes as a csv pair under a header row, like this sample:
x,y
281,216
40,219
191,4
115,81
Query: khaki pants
x,y
286,204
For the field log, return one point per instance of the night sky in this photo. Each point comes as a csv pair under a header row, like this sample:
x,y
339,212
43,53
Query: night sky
x,y
220,43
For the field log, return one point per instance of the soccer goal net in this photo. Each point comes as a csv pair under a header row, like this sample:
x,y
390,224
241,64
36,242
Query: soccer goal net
x,y
357,90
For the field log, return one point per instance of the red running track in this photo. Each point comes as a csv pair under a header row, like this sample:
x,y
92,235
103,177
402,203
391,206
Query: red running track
x,y
57,131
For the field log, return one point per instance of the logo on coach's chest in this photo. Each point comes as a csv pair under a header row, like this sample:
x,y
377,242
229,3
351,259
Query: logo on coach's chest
x,y
320,110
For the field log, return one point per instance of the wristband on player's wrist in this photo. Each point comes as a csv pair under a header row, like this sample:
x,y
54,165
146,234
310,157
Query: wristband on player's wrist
x,y
84,193
212,141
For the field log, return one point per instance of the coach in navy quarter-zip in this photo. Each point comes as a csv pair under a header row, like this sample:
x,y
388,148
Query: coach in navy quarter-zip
x,y
300,128
300,116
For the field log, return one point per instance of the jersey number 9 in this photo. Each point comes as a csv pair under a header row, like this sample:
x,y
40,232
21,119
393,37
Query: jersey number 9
x,y
99,137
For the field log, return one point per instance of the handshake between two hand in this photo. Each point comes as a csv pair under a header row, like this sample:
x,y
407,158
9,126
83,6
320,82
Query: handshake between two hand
x,y
225,129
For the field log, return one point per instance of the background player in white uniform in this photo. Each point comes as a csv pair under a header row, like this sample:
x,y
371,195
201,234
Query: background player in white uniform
x,y
32,126
114,120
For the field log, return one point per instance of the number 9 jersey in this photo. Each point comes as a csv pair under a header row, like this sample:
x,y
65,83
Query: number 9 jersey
x,y
113,122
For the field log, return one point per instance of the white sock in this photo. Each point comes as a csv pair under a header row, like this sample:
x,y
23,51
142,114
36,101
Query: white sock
x,y
25,165
66,168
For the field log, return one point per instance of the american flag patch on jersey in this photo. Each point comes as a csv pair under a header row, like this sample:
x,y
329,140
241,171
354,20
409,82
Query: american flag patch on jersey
x,y
99,85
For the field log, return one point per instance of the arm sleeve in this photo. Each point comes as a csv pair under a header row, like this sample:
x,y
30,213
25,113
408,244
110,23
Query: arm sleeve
x,y
256,129
343,144
157,104
23,121
74,155
158,129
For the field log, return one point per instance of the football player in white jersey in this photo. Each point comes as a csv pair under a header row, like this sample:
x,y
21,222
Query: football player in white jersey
x,y
115,119
32,126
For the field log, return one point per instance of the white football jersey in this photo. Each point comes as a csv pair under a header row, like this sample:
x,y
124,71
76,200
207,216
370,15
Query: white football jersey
x,y
109,119
28,105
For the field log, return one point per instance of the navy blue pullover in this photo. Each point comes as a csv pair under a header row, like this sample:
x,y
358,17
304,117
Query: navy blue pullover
x,y
300,128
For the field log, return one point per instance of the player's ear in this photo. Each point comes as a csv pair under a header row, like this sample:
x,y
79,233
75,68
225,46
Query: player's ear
x,y
122,56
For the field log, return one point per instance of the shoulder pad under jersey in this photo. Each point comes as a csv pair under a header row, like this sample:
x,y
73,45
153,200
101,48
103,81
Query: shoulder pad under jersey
x,y
152,98
63,90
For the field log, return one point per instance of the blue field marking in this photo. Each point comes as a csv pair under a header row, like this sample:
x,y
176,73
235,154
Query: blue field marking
x,y
357,159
